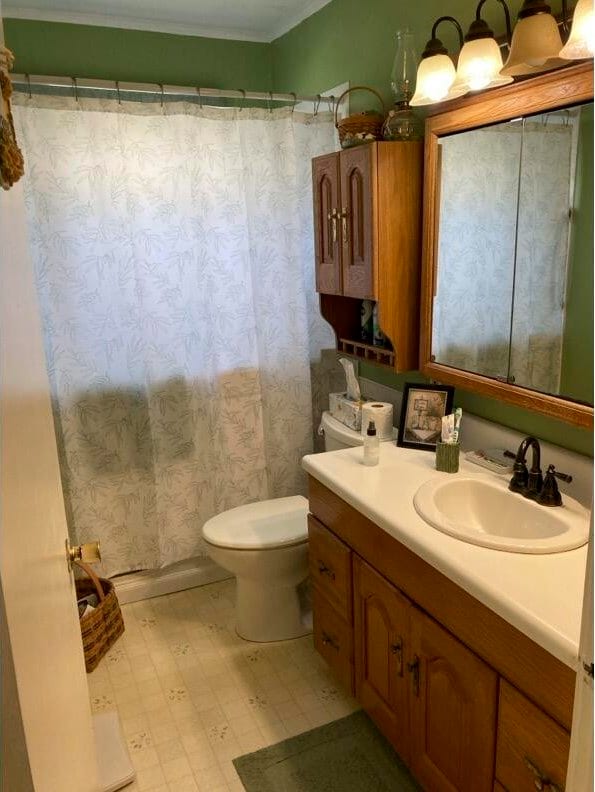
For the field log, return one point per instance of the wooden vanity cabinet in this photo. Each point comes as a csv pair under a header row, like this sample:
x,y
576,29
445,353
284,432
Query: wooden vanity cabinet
x,y
469,702
431,697
367,242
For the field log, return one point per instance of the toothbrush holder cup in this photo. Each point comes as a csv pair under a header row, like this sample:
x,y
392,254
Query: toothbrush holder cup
x,y
447,457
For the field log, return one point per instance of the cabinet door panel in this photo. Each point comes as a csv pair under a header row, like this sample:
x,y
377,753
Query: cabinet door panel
x,y
453,712
327,251
381,636
357,229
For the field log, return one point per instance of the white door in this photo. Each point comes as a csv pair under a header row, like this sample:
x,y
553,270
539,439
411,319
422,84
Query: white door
x,y
51,749
580,764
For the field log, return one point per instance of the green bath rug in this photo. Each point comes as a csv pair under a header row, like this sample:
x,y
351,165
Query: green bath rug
x,y
347,755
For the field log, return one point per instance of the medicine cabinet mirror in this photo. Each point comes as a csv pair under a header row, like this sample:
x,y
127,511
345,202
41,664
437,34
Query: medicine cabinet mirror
x,y
507,286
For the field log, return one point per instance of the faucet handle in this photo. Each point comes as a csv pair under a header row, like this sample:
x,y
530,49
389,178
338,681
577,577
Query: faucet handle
x,y
550,494
562,476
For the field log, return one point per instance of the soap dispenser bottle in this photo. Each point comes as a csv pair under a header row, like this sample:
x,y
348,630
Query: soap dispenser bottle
x,y
371,445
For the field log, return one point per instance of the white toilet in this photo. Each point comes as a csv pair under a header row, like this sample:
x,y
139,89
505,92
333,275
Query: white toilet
x,y
265,545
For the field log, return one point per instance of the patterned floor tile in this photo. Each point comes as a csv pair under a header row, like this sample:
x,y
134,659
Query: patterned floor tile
x,y
192,695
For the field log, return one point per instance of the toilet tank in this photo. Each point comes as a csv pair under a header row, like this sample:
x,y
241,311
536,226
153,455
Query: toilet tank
x,y
337,435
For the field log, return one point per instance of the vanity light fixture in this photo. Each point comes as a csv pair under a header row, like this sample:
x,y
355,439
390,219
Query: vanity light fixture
x,y
536,41
480,61
581,43
436,73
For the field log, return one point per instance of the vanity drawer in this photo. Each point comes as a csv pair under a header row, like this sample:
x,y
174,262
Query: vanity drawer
x,y
530,745
333,639
330,567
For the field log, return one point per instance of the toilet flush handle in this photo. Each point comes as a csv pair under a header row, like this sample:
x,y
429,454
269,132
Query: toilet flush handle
x,y
89,552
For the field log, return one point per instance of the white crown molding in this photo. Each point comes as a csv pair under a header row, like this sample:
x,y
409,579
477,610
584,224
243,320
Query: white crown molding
x,y
163,26
293,21
132,23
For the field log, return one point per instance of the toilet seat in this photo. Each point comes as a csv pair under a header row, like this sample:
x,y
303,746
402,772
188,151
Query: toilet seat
x,y
280,522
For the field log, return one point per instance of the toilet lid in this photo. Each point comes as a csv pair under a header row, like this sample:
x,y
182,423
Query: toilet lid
x,y
266,524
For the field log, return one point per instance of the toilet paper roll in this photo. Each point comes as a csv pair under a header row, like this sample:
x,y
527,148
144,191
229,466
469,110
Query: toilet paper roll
x,y
382,415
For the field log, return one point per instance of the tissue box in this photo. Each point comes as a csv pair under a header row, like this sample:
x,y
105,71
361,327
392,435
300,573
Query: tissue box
x,y
346,410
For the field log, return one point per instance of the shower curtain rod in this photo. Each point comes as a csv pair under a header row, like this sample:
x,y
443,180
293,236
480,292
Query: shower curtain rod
x,y
24,83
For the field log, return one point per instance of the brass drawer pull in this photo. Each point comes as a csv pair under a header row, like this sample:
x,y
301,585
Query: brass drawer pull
x,y
344,215
397,649
324,570
541,781
327,640
413,669
332,216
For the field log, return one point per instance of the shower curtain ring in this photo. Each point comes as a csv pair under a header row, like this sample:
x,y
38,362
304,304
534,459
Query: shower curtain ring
x,y
28,76
243,99
75,89
294,102
199,98
118,92
317,104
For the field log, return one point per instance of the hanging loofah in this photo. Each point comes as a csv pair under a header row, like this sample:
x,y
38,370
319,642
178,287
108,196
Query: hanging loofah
x,y
12,164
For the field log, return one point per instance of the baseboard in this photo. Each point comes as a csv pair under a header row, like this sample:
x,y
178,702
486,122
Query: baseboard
x,y
157,582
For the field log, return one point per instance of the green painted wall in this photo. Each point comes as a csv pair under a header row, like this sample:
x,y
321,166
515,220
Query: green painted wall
x,y
137,55
355,41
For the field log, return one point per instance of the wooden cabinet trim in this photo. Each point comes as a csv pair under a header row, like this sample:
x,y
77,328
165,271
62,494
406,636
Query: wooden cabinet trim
x,y
541,676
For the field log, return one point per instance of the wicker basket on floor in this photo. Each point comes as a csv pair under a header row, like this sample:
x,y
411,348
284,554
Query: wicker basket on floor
x,y
101,628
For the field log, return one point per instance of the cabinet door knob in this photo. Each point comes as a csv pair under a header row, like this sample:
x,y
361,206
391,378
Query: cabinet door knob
x,y
327,640
413,669
324,570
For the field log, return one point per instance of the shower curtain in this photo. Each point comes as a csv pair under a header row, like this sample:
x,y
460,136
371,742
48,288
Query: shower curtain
x,y
174,261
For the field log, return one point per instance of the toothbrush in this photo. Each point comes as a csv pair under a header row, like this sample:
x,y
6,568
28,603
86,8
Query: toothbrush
x,y
458,416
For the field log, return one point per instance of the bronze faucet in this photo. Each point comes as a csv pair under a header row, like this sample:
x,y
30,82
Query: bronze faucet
x,y
530,483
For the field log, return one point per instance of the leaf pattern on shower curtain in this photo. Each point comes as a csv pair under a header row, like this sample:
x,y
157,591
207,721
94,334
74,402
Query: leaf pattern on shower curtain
x,y
174,260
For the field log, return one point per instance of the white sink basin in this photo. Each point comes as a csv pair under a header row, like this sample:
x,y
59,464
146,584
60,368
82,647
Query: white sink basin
x,y
488,514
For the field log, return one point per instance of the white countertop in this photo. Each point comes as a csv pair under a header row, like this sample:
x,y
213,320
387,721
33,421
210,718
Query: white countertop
x,y
540,595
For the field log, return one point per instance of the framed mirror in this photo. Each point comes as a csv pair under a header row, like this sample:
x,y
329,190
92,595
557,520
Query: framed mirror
x,y
507,275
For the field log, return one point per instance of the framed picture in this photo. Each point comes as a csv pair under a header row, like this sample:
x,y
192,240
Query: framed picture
x,y
421,415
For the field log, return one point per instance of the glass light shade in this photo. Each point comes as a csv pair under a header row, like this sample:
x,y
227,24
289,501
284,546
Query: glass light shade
x,y
581,43
535,46
435,81
479,65
402,76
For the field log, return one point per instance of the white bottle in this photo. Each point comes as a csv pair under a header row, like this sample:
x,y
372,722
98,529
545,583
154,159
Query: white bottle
x,y
371,445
